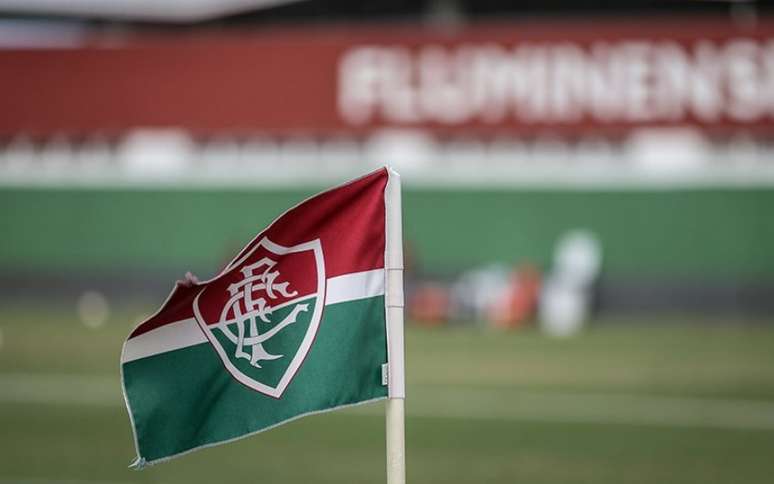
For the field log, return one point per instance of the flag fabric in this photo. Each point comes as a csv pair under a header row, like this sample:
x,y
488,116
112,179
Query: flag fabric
x,y
293,325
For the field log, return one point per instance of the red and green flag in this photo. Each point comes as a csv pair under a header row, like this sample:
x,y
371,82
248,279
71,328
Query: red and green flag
x,y
295,324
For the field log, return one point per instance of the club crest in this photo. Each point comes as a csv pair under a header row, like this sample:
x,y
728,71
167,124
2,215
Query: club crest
x,y
262,314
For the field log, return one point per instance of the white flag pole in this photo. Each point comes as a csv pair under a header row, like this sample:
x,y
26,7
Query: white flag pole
x,y
396,446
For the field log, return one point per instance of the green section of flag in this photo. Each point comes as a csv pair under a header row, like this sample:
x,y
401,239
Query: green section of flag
x,y
185,399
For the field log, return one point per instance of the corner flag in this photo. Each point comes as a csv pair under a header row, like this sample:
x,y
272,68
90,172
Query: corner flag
x,y
307,318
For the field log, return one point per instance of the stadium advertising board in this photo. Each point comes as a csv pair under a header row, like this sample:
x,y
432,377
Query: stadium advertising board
x,y
606,77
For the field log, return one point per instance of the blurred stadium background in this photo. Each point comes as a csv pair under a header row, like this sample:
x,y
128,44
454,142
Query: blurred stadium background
x,y
587,211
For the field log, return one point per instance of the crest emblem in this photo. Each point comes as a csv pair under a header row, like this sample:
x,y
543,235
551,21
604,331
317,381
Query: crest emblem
x,y
262,314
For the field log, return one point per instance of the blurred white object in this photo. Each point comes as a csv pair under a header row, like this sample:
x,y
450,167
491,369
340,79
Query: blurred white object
x,y
565,302
219,158
156,154
578,258
93,309
171,10
661,152
408,151
478,290
57,155
299,154
464,153
563,310
17,33
94,155
340,153
19,155
261,155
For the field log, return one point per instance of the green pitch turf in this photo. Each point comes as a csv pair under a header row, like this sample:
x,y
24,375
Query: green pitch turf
x,y
623,403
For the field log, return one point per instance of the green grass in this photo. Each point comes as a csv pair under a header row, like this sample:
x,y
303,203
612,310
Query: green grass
x,y
634,403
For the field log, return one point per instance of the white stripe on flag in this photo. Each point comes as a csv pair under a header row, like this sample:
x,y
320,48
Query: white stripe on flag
x,y
185,333
358,285
173,336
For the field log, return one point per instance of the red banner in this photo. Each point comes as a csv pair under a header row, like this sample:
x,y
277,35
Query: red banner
x,y
569,77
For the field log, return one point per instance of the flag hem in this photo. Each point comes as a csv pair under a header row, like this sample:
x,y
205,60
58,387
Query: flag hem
x,y
140,462
393,284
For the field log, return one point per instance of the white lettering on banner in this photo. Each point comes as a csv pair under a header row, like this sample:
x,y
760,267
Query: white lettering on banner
x,y
605,82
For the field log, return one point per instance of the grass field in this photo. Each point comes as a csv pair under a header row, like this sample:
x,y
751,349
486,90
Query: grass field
x,y
635,403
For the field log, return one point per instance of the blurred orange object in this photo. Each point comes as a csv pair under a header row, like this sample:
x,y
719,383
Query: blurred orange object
x,y
520,300
429,305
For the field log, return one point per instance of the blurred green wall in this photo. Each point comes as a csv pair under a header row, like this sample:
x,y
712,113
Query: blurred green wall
x,y
694,233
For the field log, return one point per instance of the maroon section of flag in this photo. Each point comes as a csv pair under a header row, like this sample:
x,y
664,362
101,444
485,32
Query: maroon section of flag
x,y
347,220
281,278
